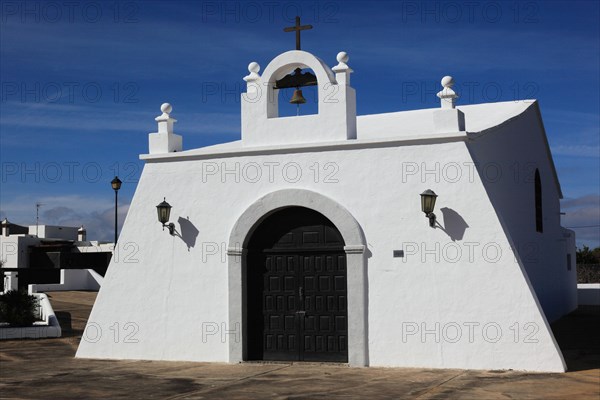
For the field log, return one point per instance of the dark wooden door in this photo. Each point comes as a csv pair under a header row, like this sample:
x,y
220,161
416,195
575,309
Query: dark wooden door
x,y
297,294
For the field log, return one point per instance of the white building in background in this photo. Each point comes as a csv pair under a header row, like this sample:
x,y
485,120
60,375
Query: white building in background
x,y
305,240
18,245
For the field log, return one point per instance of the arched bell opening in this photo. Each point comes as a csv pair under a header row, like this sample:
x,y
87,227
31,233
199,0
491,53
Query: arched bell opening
x,y
291,71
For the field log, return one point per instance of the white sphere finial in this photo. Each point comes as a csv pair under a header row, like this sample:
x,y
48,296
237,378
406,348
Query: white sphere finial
x,y
447,81
342,57
447,96
253,67
166,108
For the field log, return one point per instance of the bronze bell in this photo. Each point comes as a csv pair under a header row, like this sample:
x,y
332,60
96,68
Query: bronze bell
x,y
297,98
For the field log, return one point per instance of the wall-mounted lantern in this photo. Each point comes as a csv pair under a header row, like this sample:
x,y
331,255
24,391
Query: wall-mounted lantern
x,y
428,198
164,212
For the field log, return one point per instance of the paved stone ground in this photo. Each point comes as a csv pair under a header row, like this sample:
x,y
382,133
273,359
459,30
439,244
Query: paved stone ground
x,y
47,369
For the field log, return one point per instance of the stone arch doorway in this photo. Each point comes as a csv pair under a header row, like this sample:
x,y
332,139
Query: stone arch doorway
x,y
356,260
296,289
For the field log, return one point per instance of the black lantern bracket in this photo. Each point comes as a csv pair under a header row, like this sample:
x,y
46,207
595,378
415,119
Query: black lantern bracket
x,y
171,227
432,219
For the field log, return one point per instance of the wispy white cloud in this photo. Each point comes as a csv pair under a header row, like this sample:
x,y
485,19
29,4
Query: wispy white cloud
x,y
465,49
108,118
575,133
155,48
96,215
570,116
582,214
71,117
576,150
592,200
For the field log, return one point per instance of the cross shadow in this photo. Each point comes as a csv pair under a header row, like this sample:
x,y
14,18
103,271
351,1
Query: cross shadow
x,y
189,232
454,225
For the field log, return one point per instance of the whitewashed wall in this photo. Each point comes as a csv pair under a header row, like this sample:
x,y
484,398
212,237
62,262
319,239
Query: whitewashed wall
x,y
14,250
458,299
54,232
507,159
71,279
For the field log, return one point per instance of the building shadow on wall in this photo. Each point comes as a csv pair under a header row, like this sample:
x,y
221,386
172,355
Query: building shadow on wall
x,y
188,233
454,225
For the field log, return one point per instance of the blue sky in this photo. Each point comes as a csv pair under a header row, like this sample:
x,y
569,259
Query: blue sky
x,y
81,83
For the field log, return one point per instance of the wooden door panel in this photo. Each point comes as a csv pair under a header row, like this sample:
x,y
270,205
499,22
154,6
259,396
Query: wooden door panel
x,y
280,330
297,288
325,330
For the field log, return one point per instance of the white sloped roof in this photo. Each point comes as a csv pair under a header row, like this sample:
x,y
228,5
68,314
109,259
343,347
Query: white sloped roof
x,y
478,117
396,128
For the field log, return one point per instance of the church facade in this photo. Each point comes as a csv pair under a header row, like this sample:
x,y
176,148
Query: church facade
x,y
306,240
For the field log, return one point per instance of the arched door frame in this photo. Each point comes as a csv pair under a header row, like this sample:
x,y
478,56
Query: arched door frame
x,y
356,261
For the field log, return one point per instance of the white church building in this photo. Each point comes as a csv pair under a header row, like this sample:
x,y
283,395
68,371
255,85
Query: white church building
x,y
313,239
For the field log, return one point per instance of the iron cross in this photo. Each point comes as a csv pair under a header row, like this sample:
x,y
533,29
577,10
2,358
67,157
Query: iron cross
x,y
297,28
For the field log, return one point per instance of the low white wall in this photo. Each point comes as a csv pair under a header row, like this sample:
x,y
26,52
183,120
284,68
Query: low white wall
x,y
11,281
588,294
49,327
71,279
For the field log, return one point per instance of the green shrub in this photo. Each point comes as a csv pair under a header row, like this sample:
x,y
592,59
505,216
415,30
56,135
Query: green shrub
x,y
17,308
